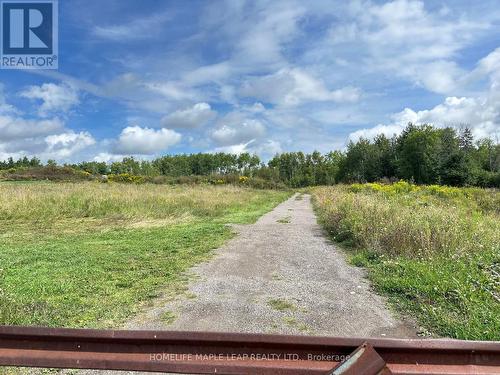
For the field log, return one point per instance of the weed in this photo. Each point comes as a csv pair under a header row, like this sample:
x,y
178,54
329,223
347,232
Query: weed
x,y
285,220
168,317
281,304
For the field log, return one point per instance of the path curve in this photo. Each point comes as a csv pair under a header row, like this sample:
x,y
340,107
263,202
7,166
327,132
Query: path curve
x,y
279,275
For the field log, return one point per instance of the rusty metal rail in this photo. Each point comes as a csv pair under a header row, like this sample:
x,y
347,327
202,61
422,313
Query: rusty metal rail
x,y
227,353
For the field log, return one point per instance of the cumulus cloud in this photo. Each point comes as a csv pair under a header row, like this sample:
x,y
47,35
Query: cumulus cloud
x,y
55,98
50,140
135,140
264,149
108,157
64,145
491,62
231,133
189,118
438,76
290,87
371,133
489,66
46,138
268,148
237,149
480,114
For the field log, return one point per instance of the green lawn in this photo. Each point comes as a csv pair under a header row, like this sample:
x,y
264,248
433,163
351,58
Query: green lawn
x,y
91,255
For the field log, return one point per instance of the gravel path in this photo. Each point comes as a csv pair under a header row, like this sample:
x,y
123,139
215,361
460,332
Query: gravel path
x,y
279,275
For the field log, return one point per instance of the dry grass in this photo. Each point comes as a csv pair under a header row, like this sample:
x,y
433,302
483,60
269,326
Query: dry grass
x,y
50,201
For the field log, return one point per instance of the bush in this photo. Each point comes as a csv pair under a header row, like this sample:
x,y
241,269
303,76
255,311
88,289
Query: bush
x,y
488,179
126,178
49,172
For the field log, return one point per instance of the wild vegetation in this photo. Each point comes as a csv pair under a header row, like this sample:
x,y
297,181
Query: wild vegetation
x,y
422,154
89,254
434,250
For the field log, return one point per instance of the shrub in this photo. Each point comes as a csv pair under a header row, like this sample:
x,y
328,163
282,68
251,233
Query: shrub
x,y
126,178
49,172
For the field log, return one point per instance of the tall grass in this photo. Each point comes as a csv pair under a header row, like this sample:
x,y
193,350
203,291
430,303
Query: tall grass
x,y
418,222
435,251
52,201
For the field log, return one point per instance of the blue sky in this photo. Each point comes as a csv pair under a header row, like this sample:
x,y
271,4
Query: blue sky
x,y
150,77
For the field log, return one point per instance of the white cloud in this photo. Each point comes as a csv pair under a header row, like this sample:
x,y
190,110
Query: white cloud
x,y
491,62
268,148
489,66
107,157
209,73
60,144
153,95
255,108
6,108
12,128
290,87
405,38
236,131
64,145
138,28
189,118
371,133
265,149
55,97
237,149
438,76
259,31
172,90
44,138
135,140
480,114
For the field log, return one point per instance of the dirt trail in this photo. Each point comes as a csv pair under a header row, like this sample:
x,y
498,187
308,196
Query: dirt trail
x,y
279,275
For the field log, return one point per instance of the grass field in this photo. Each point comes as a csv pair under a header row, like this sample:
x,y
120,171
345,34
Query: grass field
x,y
91,254
433,250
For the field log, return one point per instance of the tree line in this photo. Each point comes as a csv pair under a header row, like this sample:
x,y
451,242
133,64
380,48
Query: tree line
x,y
421,154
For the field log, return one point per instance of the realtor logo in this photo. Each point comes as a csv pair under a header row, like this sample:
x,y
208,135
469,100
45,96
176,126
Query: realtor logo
x,y
29,34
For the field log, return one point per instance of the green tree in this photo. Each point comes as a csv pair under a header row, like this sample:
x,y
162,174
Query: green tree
x,y
417,151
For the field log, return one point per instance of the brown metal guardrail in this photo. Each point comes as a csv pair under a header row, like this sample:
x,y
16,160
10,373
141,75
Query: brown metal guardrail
x,y
230,353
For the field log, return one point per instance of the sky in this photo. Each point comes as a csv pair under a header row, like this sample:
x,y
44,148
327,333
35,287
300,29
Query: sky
x,y
148,78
